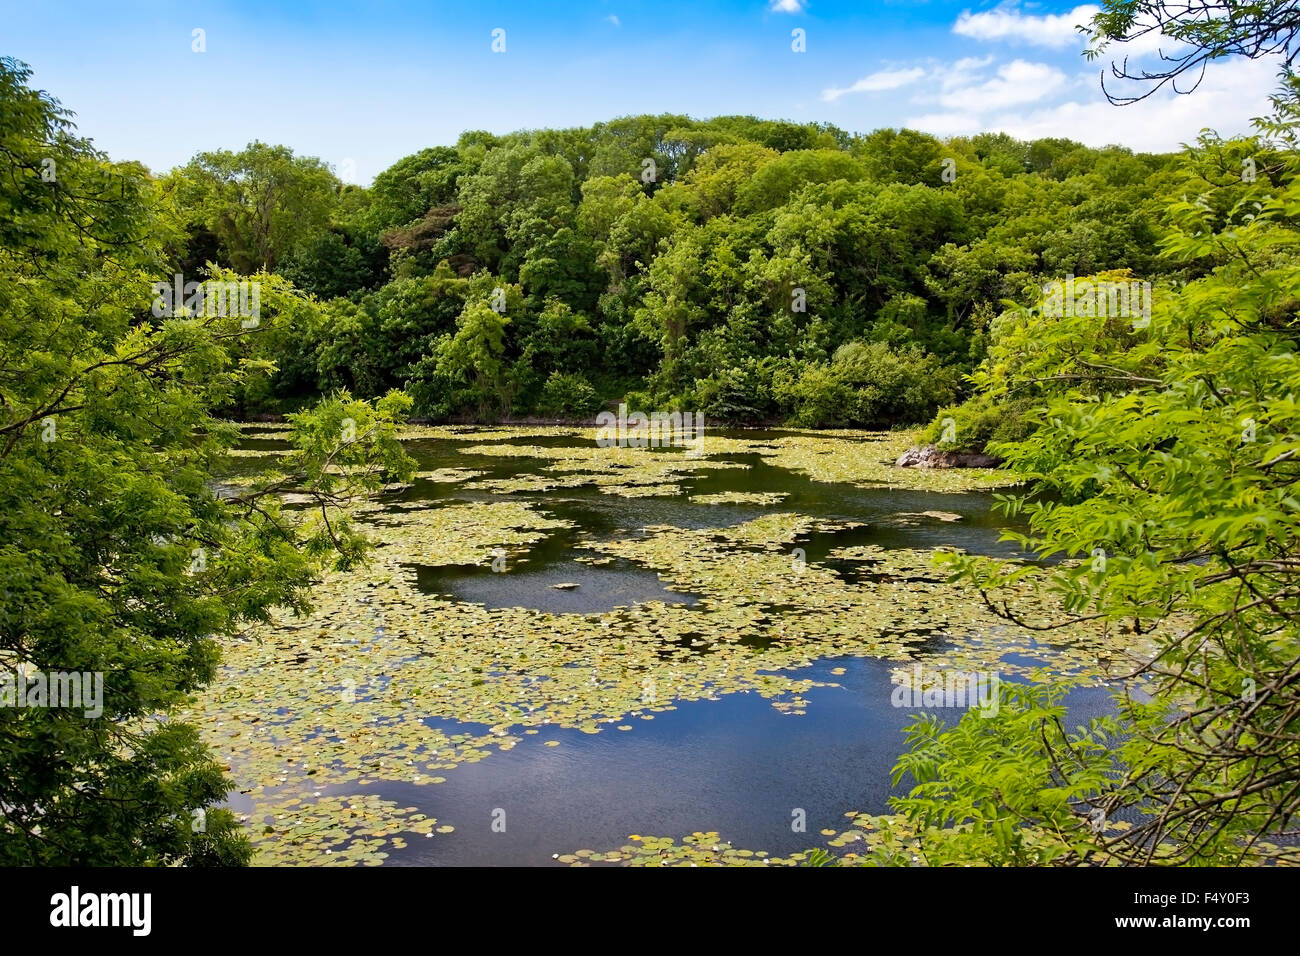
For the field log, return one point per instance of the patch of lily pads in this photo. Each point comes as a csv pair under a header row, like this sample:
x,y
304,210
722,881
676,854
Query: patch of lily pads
x,y
871,840
741,498
354,830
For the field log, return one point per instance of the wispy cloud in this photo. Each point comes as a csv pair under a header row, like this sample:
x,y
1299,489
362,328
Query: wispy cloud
x,y
1016,82
880,80
1008,22
1233,89
788,6
613,18
945,124
963,72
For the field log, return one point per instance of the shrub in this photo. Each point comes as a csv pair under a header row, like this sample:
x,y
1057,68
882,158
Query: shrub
x,y
568,393
980,421
738,393
866,385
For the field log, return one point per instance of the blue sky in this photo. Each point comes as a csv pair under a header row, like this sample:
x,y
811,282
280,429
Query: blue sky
x,y
362,84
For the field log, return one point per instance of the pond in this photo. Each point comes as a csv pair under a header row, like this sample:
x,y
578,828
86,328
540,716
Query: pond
x,y
559,648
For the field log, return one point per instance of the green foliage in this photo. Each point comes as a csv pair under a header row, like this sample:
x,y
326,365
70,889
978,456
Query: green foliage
x,y
739,393
986,792
559,340
819,857
327,265
865,385
119,555
903,156
259,203
979,421
699,257
766,271
772,183
1163,456
568,393
471,360
412,186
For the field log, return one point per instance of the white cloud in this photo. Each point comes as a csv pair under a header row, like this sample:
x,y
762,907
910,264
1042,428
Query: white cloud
x,y
787,6
945,124
1034,100
1007,22
880,80
1232,94
613,18
1146,44
972,62
963,72
1017,82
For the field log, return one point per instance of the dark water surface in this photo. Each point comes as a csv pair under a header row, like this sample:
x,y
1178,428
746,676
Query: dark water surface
x,y
601,516
733,764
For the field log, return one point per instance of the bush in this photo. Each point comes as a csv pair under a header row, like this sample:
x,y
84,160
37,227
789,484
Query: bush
x,y
328,266
739,393
434,395
568,393
866,385
980,421
814,396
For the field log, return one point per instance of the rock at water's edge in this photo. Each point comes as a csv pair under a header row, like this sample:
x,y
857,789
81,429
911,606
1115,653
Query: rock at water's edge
x,y
927,456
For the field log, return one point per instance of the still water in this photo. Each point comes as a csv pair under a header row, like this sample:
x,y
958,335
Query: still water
x,y
731,764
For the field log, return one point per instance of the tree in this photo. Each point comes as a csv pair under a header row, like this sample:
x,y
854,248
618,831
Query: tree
x,y
902,156
1167,454
557,342
475,353
519,196
773,182
121,561
1198,33
327,266
260,202
865,385
721,172
409,188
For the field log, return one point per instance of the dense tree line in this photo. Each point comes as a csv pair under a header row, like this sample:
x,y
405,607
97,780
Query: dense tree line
x,y
748,269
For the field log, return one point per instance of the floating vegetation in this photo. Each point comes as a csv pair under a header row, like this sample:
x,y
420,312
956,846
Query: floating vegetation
x,y
741,498
335,830
870,841
864,459
443,475
870,462
913,517
495,433
478,533
257,452
384,682
642,491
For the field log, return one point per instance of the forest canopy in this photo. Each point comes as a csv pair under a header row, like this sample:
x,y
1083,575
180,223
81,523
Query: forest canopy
x,y
755,271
